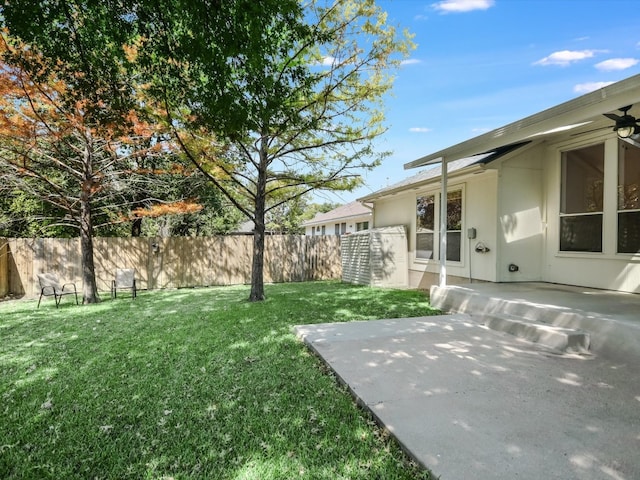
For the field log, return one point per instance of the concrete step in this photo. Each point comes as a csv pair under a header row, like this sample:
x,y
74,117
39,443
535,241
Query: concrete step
x,y
457,299
553,326
612,319
567,340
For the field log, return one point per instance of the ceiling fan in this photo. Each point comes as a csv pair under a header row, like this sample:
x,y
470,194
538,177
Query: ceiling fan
x,y
626,125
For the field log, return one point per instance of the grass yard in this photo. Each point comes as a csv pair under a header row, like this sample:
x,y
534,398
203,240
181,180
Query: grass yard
x,y
193,383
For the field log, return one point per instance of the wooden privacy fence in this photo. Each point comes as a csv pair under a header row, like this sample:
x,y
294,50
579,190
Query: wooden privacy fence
x,y
168,262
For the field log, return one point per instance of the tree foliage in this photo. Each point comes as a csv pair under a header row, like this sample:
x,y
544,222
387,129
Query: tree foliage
x,y
269,100
80,43
23,215
182,203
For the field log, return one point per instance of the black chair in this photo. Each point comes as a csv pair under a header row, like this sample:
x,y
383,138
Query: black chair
x,y
50,286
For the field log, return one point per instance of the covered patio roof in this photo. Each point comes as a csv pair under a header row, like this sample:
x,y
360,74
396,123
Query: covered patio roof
x,y
580,114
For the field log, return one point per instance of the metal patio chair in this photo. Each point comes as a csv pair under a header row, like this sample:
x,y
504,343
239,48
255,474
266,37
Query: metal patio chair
x,y
125,279
50,286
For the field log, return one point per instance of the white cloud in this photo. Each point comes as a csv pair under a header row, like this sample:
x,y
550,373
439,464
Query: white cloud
x,y
410,61
565,57
590,87
460,6
328,61
616,64
419,129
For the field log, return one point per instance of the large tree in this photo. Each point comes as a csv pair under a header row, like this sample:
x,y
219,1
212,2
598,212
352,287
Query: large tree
x,y
297,108
51,149
71,79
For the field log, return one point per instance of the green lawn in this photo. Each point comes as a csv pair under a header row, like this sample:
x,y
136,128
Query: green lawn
x,y
192,383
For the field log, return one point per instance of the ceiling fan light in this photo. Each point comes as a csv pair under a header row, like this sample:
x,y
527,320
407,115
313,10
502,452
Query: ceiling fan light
x,y
626,131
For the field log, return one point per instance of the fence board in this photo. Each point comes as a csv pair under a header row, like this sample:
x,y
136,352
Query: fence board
x,y
21,265
174,262
4,267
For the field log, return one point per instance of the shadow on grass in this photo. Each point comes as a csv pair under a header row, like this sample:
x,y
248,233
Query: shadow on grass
x,y
192,383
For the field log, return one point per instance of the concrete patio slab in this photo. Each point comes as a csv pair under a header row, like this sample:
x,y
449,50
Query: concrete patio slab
x,y
468,402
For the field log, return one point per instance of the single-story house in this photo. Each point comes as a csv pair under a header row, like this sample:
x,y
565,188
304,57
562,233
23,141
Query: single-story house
x,y
349,218
553,197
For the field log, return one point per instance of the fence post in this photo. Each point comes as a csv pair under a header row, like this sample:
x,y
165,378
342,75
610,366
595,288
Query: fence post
x,y
4,267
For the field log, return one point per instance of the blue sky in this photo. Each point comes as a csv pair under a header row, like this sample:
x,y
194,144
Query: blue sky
x,y
481,64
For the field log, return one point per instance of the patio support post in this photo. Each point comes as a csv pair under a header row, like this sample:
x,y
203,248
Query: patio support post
x,y
443,224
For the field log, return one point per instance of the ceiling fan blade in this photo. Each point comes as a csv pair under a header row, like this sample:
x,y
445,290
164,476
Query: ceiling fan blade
x,y
613,116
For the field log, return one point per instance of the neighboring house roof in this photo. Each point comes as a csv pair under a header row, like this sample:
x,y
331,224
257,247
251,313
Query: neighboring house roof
x,y
434,171
343,212
580,114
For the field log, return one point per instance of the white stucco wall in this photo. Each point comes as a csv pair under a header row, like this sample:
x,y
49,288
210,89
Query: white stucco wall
x,y
521,217
396,210
481,209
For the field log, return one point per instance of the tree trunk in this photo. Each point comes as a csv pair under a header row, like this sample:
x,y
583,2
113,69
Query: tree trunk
x,y
89,287
257,268
136,227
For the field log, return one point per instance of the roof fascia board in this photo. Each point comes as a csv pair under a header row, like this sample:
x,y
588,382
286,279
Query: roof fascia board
x,y
463,172
607,99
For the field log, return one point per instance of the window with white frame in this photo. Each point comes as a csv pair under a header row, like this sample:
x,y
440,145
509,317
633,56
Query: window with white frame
x,y
362,226
428,223
454,225
425,226
628,198
581,199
